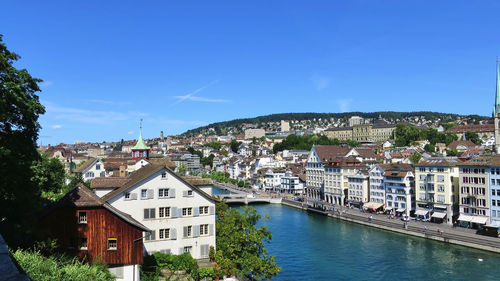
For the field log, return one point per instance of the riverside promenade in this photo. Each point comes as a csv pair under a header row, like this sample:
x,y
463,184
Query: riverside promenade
x,y
439,232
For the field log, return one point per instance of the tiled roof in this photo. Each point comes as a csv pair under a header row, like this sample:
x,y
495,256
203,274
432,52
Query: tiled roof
x,y
483,161
466,143
109,182
166,161
396,167
329,152
480,128
198,181
441,161
85,165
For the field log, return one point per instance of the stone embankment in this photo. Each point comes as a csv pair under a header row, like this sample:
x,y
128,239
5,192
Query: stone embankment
x,y
438,232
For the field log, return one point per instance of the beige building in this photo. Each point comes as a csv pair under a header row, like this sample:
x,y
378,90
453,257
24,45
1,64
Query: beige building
x,y
254,133
285,126
377,132
336,178
357,187
474,192
436,187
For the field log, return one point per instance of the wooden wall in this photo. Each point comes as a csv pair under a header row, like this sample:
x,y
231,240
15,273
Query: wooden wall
x,y
101,225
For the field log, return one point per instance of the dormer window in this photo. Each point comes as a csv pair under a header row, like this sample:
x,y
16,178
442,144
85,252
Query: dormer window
x,y
82,217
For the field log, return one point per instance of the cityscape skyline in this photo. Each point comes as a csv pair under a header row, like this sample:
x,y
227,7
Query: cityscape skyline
x,y
180,66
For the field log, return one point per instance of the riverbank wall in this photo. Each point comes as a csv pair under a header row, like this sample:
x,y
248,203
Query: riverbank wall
x,y
468,239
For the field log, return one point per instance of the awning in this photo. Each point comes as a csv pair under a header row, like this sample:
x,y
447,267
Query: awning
x,y
465,218
400,210
421,212
439,215
372,205
479,220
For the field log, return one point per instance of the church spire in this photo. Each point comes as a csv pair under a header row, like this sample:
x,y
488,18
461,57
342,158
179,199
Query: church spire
x,y
497,93
140,145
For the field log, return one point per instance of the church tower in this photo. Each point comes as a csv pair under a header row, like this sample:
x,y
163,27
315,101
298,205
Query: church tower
x,y
140,150
496,113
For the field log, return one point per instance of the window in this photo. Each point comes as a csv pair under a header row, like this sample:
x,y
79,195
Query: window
x,y
83,244
204,229
163,193
493,203
441,198
204,210
149,213
144,193
440,188
98,166
187,212
148,236
188,249
440,170
82,217
440,178
164,212
498,192
127,195
188,231
164,175
164,233
189,193
112,244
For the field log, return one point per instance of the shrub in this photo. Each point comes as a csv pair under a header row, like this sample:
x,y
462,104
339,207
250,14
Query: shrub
x,y
211,253
59,267
206,272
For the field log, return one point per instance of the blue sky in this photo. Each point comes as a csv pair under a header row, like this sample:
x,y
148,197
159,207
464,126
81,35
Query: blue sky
x,y
183,64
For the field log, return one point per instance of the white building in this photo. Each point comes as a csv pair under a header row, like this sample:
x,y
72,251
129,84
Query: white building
x,y
180,215
377,187
400,190
357,187
291,184
92,168
273,179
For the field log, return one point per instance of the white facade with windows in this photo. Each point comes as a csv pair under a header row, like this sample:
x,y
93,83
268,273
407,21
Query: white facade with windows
x,y
291,184
273,179
377,187
181,216
400,191
94,170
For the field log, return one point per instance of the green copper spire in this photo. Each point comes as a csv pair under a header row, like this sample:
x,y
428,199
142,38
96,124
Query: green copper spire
x,y
140,142
497,96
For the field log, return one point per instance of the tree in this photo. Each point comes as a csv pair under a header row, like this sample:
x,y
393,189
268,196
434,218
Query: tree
x,y
240,243
235,145
415,158
473,137
19,126
49,175
430,148
452,152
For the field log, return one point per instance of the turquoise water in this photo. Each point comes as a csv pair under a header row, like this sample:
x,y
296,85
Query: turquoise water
x,y
313,247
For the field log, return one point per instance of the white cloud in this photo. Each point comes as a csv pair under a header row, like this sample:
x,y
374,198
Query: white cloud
x,y
56,127
321,82
46,84
191,96
344,104
85,115
107,102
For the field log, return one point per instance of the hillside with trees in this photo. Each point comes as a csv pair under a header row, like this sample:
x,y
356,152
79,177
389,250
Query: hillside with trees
x,y
392,116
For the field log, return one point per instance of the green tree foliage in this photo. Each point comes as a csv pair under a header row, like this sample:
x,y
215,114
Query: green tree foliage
x,y
473,137
207,161
48,174
306,142
235,145
19,126
408,134
430,148
215,145
452,152
59,267
240,243
415,158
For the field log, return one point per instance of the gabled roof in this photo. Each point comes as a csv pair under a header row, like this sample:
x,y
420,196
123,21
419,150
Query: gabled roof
x,y
82,197
85,165
144,173
109,182
396,167
441,161
327,153
466,143
365,152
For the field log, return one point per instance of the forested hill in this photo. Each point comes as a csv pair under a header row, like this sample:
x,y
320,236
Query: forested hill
x,y
390,116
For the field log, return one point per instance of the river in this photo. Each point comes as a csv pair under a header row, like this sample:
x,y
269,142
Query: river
x,y
314,247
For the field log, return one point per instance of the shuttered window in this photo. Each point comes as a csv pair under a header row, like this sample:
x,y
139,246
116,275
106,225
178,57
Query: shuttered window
x,y
149,213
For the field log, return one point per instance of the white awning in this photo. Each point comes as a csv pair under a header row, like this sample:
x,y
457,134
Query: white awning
x,y
421,212
479,220
465,218
439,215
372,205
400,210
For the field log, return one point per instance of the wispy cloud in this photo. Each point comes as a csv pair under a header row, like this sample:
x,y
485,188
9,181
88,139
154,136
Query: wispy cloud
x,y
46,84
344,105
108,102
56,127
130,132
85,115
191,96
321,82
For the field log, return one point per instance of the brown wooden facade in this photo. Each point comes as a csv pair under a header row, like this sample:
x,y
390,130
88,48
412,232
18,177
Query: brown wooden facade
x,y
63,224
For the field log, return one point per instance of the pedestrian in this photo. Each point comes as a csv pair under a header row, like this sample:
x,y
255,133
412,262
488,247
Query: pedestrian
x,y
425,228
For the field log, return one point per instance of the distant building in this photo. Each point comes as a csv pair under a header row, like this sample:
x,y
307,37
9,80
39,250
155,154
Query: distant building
x,y
355,120
254,133
378,131
285,126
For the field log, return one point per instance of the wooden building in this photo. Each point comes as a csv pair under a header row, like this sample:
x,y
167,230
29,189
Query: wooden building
x,y
88,227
